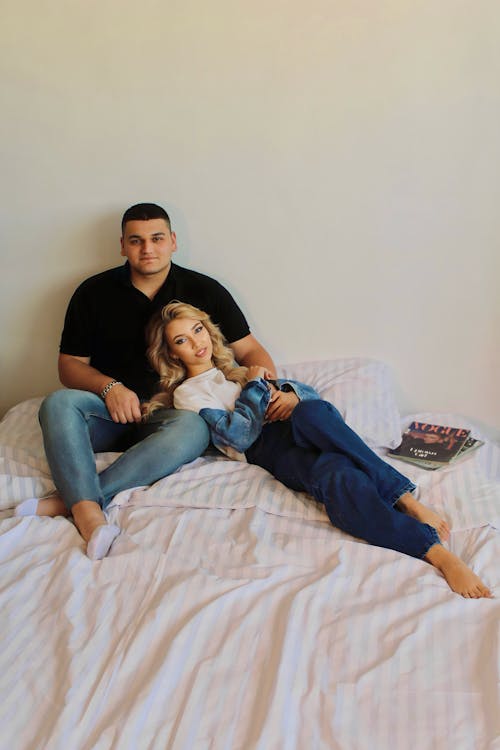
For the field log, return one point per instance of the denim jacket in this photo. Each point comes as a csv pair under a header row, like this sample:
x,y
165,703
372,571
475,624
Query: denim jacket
x,y
240,428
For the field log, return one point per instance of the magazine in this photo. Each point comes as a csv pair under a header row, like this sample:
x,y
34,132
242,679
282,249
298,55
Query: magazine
x,y
432,446
469,445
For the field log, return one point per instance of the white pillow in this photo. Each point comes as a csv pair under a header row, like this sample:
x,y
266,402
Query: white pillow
x,y
360,388
362,391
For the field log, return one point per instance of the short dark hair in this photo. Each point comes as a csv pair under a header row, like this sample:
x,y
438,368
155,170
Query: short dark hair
x,y
145,212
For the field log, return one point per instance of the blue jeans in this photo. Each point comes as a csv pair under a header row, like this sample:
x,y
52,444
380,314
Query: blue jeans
x,y
316,452
76,424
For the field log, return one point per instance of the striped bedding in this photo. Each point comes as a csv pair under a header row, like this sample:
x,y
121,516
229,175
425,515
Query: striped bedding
x,y
230,615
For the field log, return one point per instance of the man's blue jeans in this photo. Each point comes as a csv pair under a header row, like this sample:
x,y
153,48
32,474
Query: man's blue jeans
x,y
316,452
76,424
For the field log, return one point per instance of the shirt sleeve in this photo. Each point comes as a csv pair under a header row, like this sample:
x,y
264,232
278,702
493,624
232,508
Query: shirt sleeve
x,y
76,337
240,428
228,315
303,391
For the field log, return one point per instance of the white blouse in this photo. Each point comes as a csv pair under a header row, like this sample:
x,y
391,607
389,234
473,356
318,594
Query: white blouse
x,y
208,390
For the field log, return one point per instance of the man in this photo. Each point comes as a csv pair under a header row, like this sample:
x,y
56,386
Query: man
x,y
103,364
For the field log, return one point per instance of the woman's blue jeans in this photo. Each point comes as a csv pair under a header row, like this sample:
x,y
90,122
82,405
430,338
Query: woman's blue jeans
x,y
316,452
76,424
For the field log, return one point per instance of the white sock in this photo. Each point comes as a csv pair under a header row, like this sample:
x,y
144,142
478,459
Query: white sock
x,y
101,540
27,507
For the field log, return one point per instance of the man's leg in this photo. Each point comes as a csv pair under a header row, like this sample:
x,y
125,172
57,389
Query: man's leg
x,y
167,441
75,424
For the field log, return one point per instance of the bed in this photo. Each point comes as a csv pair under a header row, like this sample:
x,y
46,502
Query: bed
x,y
230,615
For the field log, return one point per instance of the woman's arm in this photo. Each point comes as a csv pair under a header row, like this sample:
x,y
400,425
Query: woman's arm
x,y
240,428
303,391
286,398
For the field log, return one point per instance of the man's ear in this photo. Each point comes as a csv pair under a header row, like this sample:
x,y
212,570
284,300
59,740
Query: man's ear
x,y
174,238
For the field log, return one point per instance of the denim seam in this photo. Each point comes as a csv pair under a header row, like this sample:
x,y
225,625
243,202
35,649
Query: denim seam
x,y
409,487
433,543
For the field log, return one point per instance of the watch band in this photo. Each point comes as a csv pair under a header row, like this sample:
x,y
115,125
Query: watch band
x,y
108,387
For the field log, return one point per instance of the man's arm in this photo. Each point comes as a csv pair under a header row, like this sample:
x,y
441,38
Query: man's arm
x,y
247,351
76,372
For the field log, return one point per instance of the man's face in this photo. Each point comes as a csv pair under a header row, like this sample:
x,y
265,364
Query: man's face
x,y
148,246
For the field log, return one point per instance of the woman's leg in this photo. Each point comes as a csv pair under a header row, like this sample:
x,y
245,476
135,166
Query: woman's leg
x,y
459,577
318,424
349,495
410,505
353,504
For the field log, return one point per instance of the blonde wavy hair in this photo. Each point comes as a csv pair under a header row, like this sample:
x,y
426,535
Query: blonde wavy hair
x,y
171,371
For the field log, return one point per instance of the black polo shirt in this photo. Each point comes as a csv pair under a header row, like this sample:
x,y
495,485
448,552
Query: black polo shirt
x,y
106,317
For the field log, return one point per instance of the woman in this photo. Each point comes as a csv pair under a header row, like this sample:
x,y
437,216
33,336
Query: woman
x,y
313,450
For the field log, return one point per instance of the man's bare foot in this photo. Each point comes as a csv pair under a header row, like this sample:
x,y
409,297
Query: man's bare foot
x,y
51,506
410,505
459,577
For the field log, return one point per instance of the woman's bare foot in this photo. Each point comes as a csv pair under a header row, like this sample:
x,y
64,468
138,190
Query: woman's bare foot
x,y
410,505
459,577
51,506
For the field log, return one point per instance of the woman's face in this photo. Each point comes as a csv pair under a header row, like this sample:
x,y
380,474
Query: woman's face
x,y
189,341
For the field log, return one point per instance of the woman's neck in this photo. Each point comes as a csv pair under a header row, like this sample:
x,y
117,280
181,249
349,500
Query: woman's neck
x,y
194,370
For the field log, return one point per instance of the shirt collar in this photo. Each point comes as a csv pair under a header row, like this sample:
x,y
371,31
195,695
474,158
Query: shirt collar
x,y
123,273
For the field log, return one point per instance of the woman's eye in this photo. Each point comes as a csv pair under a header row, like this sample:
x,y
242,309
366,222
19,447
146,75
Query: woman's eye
x,y
198,329
180,341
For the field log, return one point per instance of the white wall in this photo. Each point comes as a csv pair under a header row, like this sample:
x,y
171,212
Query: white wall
x,y
334,163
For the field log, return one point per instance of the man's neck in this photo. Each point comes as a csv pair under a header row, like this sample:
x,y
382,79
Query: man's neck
x,y
149,284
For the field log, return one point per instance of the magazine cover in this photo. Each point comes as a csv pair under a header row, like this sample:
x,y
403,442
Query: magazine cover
x,y
431,442
469,445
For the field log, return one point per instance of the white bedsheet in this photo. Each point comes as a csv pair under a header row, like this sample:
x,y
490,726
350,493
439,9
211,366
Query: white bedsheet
x,y
231,616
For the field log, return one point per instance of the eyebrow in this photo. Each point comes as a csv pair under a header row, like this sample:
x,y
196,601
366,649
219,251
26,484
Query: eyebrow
x,y
198,322
140,236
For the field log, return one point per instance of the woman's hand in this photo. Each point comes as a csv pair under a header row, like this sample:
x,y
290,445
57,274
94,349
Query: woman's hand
x,y
281,405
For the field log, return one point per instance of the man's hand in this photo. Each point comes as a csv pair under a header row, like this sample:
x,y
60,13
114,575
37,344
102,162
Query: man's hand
x,y
281,405
123,405
256,371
